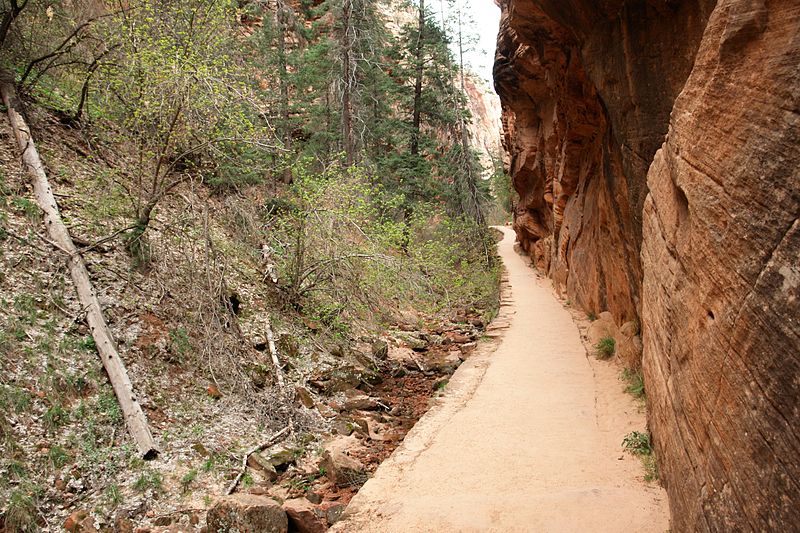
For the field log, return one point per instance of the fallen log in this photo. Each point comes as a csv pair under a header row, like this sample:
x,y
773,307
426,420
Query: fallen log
x,y
60,237
273,352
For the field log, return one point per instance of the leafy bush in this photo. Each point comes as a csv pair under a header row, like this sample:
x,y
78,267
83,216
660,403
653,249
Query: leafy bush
x,y
347,248
637,443
149,479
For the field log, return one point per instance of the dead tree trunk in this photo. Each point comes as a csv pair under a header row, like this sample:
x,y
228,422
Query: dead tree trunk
x,y
58,233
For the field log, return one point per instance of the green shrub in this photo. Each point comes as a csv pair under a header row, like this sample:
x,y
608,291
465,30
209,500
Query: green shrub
x,y
179,343
113,495
346,248
29,209
635,383
187,479
605,347
58,456
637,443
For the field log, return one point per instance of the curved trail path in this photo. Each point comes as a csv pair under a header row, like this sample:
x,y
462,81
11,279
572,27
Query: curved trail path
x,y
526,438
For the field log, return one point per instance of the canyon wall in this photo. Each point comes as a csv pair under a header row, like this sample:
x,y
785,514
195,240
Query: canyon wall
x,y
485,126
655,147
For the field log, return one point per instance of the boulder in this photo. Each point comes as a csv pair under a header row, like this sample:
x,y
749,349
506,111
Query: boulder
x,y
313,497
278,493
337,379
364,358
305,398
342,426
263,466
447,362
122,524
457,337
629,345
74,520
86,526
282,458
413,340
247,513
355,400
603,326
340,467
304,516
403,356
334,513
467,347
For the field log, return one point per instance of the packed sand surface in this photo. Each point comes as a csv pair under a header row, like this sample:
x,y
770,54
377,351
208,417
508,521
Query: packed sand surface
x,y
527,436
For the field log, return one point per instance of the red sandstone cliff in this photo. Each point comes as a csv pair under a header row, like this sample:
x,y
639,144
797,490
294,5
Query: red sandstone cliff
x,y
655,147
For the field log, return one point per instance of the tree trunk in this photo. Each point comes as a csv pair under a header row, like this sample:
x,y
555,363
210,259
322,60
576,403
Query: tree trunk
x,y
58,233
469,197
347,80
418,81
5,25
284,84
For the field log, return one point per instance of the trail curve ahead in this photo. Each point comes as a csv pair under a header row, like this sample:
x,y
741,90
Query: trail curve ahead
x,y
527,437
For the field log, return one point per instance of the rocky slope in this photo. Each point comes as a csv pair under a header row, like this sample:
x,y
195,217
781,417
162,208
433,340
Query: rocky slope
x,y
697,240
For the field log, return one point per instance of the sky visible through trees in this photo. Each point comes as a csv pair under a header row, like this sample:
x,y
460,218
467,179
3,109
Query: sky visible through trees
x,y
486,17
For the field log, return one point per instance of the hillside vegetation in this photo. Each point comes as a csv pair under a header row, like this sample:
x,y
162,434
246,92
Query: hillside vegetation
x,y
236,175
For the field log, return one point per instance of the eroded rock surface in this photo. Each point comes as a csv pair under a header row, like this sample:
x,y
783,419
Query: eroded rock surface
x,y
587,88
721,258
696,243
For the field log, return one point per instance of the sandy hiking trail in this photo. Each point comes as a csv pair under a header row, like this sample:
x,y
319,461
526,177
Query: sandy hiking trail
x,y
527,437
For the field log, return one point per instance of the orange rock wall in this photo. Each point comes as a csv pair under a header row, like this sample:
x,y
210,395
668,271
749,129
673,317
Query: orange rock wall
x,y
697,240
721,261
587,88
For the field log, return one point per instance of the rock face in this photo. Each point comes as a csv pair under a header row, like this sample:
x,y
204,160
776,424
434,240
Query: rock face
x,y
655,146
721,257
485,126
586,89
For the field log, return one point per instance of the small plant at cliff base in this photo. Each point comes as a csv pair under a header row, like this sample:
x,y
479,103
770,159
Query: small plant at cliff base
x,y
635,383
605,347
639,443
591,316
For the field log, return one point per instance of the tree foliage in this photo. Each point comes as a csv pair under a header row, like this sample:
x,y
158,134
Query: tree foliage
x,y
239,93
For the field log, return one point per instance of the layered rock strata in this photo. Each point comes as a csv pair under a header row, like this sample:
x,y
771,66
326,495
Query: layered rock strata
x,y
655,147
